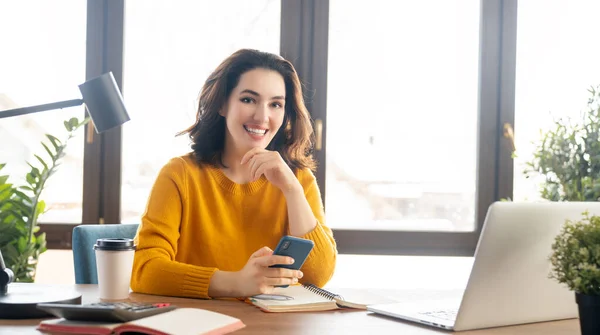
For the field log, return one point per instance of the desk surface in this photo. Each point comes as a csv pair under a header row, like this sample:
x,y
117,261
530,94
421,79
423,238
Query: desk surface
x,y
331,322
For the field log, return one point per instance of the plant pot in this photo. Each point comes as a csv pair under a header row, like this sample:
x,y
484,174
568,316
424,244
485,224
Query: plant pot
x,y
589,313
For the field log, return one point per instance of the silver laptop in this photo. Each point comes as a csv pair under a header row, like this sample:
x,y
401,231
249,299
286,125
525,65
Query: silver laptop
x,y
509,281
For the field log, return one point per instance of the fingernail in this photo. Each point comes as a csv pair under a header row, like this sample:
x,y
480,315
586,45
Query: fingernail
x,y
291,260
300,274
295,280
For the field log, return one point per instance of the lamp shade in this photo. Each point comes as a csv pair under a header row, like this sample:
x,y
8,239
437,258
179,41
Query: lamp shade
x,y
104,102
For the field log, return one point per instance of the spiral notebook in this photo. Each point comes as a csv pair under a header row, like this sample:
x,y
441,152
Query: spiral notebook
x,y
310,298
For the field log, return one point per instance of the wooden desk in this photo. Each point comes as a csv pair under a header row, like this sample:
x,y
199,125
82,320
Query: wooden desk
x,y
333,322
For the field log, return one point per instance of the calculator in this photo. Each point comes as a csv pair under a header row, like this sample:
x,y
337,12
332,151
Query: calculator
x,y
106,311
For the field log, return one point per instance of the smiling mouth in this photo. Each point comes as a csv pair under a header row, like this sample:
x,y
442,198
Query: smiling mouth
x,y
256,131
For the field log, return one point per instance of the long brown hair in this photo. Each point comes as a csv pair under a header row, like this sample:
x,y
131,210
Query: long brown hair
x,y
294,139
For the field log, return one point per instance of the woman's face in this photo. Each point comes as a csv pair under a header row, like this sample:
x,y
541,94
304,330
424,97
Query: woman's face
x,y
254,111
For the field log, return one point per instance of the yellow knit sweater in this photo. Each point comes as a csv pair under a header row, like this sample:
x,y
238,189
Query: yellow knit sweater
x,y
198,221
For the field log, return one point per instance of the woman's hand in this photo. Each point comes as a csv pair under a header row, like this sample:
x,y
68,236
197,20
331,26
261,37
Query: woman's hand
x,y
258,278
270,164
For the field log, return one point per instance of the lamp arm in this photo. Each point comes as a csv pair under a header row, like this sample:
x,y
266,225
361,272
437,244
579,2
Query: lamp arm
x,y
40,108
6,276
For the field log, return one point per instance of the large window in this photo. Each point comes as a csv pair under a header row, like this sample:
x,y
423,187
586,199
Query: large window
x,y
42,61
410,97
557,62
402,115
170,49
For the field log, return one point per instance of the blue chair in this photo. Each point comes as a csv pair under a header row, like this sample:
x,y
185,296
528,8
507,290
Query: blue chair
x,y
84,238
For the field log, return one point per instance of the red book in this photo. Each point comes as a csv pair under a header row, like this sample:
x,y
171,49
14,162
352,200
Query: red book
x,y
181,321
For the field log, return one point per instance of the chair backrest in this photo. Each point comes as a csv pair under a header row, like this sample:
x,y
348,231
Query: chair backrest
x,y
84,238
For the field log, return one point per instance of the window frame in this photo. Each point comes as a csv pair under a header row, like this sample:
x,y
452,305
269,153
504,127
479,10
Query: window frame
x,y
304,40
102,152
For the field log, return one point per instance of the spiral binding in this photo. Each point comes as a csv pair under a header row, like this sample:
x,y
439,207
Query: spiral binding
x,y
321,292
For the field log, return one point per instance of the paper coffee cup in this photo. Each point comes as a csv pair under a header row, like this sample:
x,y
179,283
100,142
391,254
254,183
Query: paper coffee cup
x,y
114,262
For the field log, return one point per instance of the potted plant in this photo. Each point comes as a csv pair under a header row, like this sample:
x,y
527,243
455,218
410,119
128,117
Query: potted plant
x,y
567,156
20,206
575,262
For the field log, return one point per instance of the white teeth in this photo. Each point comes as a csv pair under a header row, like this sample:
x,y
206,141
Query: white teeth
x,y
256,131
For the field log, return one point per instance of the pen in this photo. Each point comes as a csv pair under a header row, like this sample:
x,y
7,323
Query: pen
x,y
272,297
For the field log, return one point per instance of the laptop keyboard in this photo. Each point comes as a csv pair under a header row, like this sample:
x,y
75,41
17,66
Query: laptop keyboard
x,y
449,314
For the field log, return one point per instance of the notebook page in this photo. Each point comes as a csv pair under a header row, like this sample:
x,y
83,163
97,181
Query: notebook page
x,y
298,297
360,298
299,294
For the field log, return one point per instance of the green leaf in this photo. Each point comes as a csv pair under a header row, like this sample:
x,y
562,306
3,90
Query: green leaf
x,y
22,245
31,179
6,191
23,197
74,123
41,239
6,228
68,126
55,141
50,153
41,205
41,242
35,172
42,161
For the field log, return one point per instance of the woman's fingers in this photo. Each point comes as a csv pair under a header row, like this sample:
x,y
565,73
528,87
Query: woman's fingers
x,y
280,281
264,167
250,154
267,261
256,162
282,272
264,251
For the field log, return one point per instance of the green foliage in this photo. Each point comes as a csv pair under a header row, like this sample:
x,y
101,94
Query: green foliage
x,y
568,156
20,207
576,255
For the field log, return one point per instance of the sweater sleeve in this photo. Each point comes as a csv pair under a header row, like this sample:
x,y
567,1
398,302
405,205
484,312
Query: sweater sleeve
x,y
320,264
155,270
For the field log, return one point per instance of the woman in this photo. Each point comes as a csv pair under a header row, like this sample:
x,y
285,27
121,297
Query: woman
x,y
214,215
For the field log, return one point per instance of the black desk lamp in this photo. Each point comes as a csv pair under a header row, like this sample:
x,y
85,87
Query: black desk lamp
x,y
105,105
102,99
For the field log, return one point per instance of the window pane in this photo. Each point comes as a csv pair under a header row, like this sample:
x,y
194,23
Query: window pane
x,y
557,62
170,49
43,61
402,115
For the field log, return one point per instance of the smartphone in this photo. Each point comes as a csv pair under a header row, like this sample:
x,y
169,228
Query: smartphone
x,y
295,247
